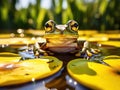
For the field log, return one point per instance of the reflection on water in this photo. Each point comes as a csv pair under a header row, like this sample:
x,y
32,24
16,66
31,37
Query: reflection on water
x,y
61,80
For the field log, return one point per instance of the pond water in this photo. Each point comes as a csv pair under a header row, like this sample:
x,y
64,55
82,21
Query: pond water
x,y
61,80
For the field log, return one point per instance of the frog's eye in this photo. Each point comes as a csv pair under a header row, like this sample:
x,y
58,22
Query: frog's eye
x,y
73,25
50,26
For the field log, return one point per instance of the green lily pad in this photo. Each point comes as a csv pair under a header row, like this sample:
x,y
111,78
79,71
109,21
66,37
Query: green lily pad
x,y
94,75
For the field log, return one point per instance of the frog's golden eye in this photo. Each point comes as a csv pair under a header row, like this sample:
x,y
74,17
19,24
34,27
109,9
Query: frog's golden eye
x,y
73,25
50,26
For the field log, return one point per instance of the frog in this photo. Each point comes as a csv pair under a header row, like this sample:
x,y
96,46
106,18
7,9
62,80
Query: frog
x,y
63,38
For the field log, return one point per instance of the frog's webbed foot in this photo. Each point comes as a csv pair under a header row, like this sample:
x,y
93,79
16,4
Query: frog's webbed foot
x,y
38,51
96,56
93,54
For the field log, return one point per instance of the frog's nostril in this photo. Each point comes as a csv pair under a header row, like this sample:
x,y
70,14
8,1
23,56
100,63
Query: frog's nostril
x,y
61,27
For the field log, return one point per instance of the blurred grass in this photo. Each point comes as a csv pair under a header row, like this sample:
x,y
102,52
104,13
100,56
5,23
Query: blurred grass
x,y
101,15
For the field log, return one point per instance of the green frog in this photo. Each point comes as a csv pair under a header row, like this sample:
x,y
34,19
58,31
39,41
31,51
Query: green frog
x,y
63,39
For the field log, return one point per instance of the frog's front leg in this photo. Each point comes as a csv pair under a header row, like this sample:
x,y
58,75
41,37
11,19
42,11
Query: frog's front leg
x,y
33,51
90,53
38,49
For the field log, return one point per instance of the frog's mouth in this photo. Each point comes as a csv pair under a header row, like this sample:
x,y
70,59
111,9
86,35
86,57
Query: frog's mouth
x,y
61,42
60,36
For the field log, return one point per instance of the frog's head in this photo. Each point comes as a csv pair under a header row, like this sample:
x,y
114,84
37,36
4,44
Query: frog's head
x,y
70,28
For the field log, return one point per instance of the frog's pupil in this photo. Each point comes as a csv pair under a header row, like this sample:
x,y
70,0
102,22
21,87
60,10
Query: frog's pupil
x,y
47,25
76,25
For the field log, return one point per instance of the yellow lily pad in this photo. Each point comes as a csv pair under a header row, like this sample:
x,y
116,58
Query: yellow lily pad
x,y
94,75
111,43
115,57
28,70
9,57
113,61
114,36
5,36
17,41
8,54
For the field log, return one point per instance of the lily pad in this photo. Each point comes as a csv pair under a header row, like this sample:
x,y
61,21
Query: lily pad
x,y
17,41
114,62
115,57
94,75
9,57
8,54
111,43
14,73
